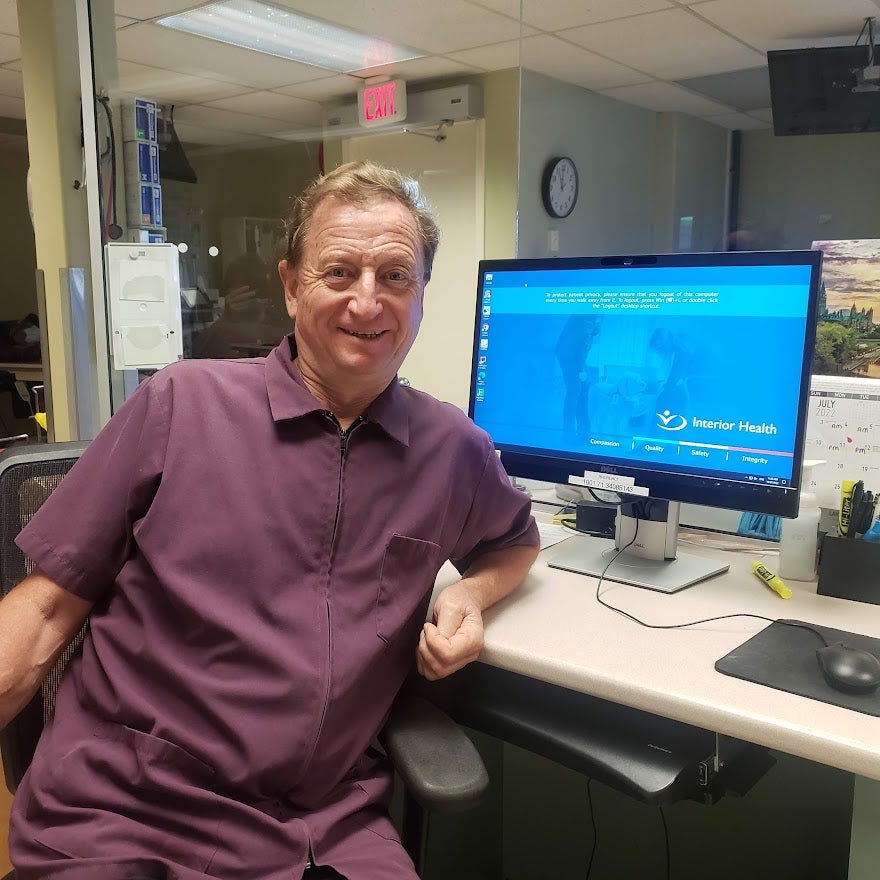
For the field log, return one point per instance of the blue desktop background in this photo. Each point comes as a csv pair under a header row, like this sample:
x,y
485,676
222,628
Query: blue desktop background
x,y
699,370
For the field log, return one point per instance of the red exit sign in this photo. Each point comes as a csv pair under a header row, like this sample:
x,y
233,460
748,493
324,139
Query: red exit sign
x,y
382,102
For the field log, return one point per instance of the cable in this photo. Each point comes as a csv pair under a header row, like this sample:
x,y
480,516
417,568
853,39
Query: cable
x,y
635,619
114,230
665,837
593,826
596,498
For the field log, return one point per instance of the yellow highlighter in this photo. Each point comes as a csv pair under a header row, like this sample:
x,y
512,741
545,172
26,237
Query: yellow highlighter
x,y
772,580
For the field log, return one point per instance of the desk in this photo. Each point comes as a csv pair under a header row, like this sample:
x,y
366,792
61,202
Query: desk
x,y
553,630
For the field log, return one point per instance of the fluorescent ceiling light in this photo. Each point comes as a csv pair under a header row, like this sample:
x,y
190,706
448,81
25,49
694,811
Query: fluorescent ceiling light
x,y
275,31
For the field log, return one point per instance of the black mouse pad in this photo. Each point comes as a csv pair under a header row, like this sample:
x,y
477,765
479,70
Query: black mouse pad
x,y
782,656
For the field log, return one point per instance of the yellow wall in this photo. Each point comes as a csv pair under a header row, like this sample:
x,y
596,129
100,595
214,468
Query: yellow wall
x,y
501,93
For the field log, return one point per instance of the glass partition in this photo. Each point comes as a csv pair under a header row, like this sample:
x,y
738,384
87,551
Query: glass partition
x,y
238,132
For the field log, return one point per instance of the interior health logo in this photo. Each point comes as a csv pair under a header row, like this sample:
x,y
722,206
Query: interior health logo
x,y
671,421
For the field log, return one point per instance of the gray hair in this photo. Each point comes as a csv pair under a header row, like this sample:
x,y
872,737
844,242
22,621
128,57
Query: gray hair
x,y
361,184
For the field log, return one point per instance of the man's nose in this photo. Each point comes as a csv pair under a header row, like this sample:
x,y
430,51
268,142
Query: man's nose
x,y
364,301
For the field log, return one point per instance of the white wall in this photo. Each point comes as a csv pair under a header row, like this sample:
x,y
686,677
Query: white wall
x,y
698,171
796,190
639,172
612,145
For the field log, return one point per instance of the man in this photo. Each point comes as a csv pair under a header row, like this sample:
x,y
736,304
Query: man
x,y
256,542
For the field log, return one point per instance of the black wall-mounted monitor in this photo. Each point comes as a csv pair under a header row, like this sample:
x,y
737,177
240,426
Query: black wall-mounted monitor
x,y
821,91
681,377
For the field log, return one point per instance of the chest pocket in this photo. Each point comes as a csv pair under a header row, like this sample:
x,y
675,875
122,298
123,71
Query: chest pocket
x,y
409,567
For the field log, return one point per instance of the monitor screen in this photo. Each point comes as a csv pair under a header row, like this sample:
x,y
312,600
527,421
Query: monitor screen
x,y
823,91
682,377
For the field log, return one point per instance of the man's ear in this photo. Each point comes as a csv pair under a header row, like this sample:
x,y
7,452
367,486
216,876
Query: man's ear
x,y
290,281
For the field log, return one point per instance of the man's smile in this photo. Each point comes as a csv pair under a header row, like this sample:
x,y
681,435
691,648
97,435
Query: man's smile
x,y
372,334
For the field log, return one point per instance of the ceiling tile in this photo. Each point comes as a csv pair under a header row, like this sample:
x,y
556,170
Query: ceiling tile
x,y
157,46
156,8
509,8
666,98
171,87
671,44
572,13
11,83
737,122
742,89
430,26
191,134
559,59
620,47
274,106
8,17
227,120
324,89
429,67
788,24
498,56
765,114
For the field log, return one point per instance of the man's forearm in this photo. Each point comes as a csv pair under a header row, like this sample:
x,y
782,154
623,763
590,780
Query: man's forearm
x,y
37,620
497,574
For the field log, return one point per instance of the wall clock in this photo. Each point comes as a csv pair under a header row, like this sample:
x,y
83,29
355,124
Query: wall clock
x,y
559,187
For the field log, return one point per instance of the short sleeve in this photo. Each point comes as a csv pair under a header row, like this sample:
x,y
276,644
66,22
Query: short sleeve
x,y
83,533
500,516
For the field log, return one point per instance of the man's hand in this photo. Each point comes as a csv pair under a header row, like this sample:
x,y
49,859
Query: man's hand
x,y
456,636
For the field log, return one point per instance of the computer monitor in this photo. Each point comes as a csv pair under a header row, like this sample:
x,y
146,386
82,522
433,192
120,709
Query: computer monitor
x,y
664,378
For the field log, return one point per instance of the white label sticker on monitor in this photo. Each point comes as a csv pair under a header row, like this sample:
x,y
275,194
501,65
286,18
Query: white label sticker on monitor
x,y
608,483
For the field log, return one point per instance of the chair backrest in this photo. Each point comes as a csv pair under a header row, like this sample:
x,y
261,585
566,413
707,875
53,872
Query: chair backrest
x,y
28,475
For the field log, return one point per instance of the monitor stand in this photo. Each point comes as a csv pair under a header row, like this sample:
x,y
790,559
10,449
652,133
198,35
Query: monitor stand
x,y
647,529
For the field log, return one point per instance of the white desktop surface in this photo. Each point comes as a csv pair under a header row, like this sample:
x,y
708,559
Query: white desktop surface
x,y
553,629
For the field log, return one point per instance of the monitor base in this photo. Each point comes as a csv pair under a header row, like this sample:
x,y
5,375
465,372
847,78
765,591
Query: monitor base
x,y
588,555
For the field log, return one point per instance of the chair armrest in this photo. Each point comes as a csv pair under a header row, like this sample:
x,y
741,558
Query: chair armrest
x,y
438,763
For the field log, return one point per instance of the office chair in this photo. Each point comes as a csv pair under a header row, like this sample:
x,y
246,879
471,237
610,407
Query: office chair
x,y
439,766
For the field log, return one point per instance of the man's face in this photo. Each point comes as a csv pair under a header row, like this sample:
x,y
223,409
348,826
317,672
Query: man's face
x,y
356,296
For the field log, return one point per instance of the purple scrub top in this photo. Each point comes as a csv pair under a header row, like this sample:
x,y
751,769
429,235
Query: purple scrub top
x,y
260,580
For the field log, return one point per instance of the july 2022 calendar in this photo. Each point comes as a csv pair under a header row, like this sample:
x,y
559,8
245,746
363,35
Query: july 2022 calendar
x,y
843,430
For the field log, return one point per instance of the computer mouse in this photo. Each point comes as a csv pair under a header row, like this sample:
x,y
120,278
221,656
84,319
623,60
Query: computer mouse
x,y
849,669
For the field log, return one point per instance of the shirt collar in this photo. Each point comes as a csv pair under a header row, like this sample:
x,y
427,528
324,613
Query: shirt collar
x,y
289,398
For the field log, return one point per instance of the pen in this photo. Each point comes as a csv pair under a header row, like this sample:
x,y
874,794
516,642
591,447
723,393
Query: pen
x,y
847,487
772,580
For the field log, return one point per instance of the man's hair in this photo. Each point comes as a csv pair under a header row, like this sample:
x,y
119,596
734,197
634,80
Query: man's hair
x,y
361,184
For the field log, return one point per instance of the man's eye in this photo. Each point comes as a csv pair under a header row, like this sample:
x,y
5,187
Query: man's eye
x,y
397,275
336,272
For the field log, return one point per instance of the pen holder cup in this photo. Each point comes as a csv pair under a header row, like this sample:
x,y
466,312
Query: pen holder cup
x,y
850,569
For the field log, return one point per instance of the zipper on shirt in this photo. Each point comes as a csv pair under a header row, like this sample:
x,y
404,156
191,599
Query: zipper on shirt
x,y
344,435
